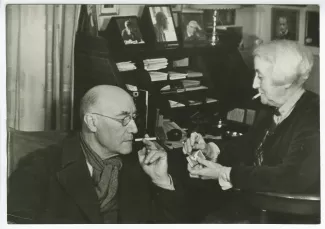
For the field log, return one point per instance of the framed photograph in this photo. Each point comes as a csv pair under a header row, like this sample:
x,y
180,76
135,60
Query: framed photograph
x,y
129,30
312,28
285,24
192,27
107,10
163,24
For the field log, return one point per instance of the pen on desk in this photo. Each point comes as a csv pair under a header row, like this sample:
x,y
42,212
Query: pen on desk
x,y
256,96
141,139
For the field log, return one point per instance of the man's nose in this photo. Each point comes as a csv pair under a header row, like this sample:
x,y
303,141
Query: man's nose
x,y
256,82
132,127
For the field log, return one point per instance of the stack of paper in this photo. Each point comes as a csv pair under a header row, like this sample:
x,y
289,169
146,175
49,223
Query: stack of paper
x,y
158,76
181,63
211,100
131,87
165,88
191,73
176,75
175,104
126,66
194,102
191,83
155,64
196,88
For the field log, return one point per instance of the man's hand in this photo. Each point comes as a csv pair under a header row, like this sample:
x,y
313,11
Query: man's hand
x,y
153,161
209,170
196,142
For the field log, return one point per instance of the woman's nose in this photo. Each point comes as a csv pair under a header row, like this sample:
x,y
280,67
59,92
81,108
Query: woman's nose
x,y
256,82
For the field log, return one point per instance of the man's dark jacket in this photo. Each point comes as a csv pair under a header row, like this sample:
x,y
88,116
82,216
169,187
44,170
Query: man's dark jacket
x,y
53,185
291,156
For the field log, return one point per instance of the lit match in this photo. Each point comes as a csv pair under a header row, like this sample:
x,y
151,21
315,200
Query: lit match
x,y
256,96
149,139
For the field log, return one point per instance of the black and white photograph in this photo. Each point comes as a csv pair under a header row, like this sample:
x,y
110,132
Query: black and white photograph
x,y
130,30
193,28
105,120
285,24
162,20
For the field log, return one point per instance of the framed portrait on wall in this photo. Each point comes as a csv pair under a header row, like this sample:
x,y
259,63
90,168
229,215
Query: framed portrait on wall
x,y
107,10
192,27
312,28
285,24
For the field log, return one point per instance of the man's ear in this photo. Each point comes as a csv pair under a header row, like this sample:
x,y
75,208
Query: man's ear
x,y
91,122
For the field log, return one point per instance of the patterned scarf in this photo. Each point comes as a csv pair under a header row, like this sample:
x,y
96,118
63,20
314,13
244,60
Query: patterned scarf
x,y
105,178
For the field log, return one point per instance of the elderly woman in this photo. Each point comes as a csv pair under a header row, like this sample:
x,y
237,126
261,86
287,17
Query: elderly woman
x,y
281,153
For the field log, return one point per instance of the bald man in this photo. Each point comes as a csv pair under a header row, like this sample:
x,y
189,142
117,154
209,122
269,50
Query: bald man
x,y
93,177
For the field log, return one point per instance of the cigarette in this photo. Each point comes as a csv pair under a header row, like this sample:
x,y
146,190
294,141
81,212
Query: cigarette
x,y
256,96
149,139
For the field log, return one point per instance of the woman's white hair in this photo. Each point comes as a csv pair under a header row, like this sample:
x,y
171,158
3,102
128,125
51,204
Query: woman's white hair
x,y
291,61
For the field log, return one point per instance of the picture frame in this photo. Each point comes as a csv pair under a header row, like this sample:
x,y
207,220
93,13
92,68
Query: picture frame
x,y
285,24
312,28
192,29
162,24
108,10
129,30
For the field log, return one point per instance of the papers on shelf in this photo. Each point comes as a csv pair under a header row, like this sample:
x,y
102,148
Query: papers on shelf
x,y
131,87
236,114
196,88
190,83
194,102
176,75
180,63
126,66
211,100
191,73
166,88
155,64
158,76
175,104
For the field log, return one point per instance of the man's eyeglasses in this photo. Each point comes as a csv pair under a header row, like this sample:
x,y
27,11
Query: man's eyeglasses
x,y
124,121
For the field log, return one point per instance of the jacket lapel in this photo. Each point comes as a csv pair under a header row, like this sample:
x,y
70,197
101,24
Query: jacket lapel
x,y
76,180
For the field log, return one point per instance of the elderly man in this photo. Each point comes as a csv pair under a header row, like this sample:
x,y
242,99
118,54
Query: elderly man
x,y
160,26
193,32
93,177
281,152
283,32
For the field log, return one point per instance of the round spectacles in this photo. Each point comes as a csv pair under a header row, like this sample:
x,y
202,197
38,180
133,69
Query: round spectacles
x,y
124,121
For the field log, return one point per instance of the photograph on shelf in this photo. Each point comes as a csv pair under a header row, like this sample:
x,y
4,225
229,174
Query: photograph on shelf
x,y
129,30
192,28
285,24
312,28
162,21
107,10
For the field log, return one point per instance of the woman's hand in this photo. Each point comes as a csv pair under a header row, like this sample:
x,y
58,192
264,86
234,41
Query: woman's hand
x,y
196,142
209,170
